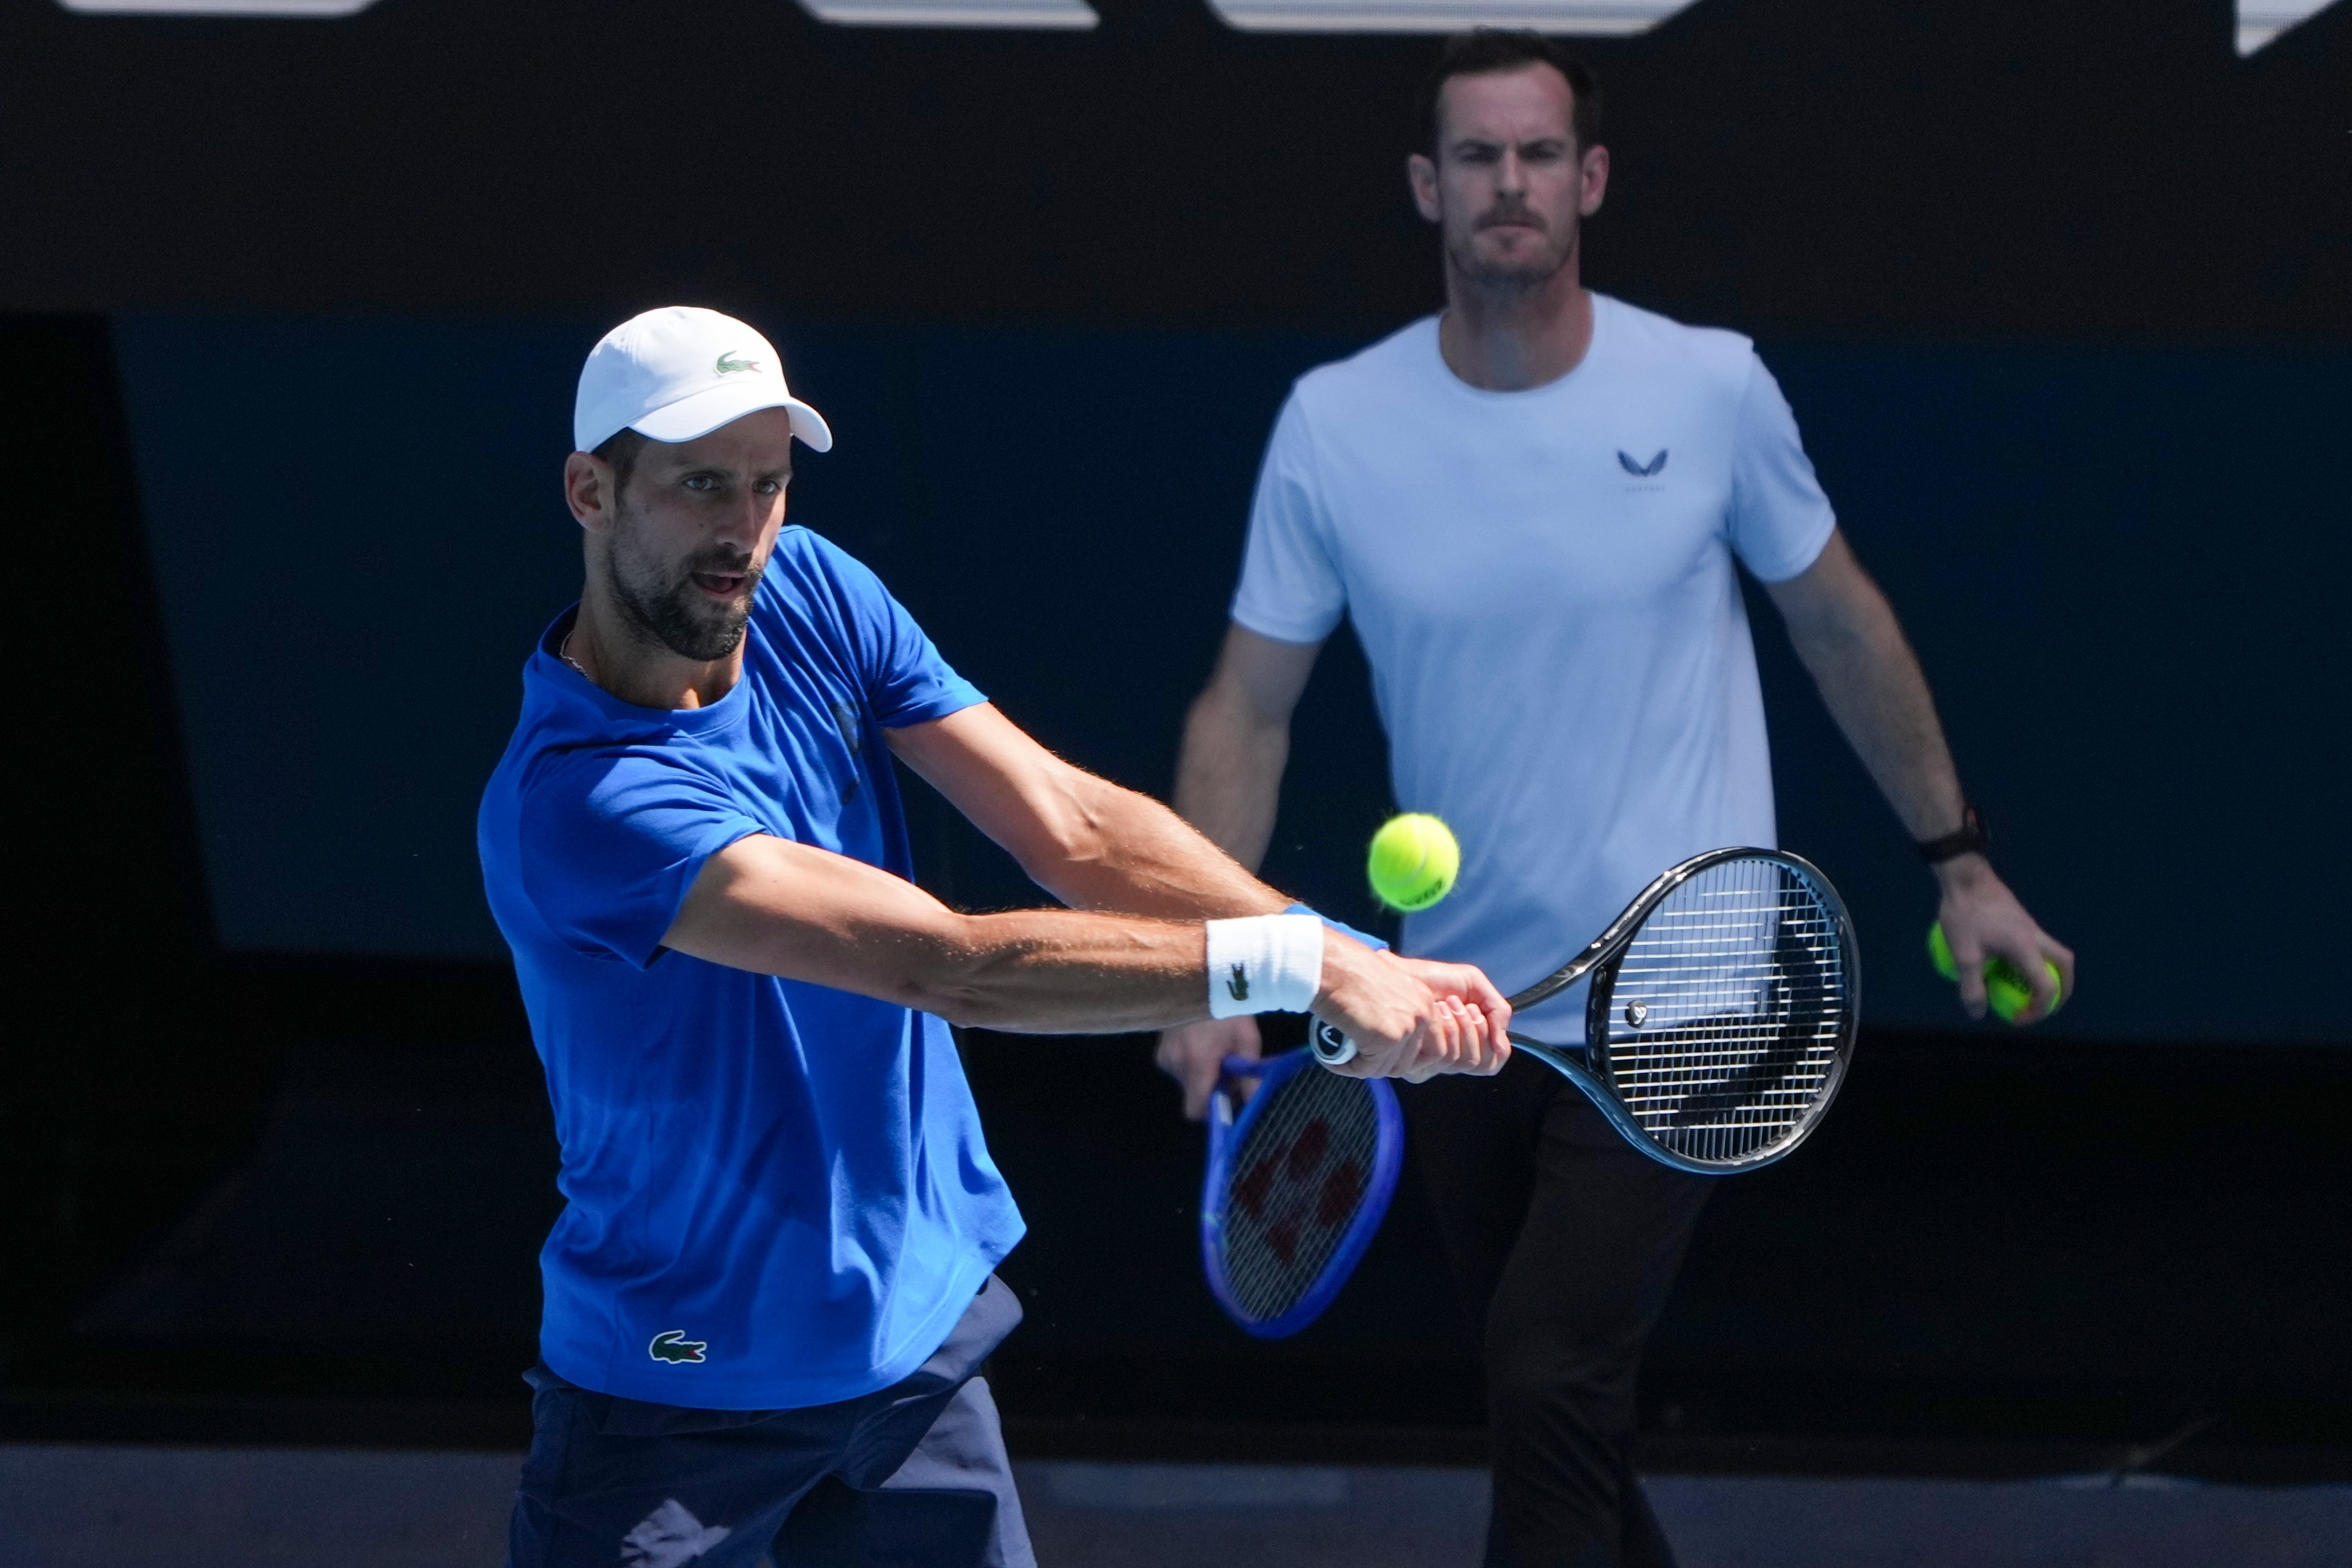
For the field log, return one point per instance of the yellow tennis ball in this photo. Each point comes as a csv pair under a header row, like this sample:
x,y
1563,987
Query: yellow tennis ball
x,y
2008,994
2006,991
1940,953
1413,862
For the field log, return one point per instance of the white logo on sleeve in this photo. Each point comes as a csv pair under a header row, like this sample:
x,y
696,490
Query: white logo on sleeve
x,y
669,1537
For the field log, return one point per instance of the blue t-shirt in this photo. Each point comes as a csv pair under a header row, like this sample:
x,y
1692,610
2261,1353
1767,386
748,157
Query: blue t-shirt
x,y
778,1192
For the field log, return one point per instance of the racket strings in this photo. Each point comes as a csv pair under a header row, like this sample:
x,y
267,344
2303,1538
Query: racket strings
x,y
1728,1012
1300,1173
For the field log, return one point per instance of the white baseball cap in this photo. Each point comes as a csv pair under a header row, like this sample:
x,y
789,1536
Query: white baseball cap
x,y
681,372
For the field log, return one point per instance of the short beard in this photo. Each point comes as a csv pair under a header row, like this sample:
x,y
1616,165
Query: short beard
x,y
1523,276
666,607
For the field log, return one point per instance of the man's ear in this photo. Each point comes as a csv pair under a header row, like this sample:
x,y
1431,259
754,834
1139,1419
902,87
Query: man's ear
x,y
1421,174
1595,170
590,488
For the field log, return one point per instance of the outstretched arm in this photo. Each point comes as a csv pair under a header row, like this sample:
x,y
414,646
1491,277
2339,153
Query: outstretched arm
x,y
776,908
1847,637
1097,846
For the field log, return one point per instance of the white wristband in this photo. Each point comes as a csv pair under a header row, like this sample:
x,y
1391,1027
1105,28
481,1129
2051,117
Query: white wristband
x,y
1264,964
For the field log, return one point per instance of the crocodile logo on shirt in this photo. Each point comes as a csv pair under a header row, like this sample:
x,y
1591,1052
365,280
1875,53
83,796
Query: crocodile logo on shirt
x,y
1237,985
1649,470
672,1345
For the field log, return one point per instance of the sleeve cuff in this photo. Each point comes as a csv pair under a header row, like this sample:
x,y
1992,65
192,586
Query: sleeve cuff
x,y
1249,619
1344,929
949,699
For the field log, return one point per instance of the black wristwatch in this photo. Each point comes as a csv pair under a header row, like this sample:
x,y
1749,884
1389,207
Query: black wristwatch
x,y
1973,838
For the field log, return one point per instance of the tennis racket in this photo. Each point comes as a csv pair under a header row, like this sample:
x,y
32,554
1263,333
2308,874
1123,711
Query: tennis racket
x,y
1721,1016
1298,1179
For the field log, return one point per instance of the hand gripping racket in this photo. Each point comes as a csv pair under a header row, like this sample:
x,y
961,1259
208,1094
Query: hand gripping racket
x,y
1722,1012
1298,1180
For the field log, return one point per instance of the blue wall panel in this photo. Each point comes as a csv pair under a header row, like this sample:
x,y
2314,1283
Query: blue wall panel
x,y
2121,567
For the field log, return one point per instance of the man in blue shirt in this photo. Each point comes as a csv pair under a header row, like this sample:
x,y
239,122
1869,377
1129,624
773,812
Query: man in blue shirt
x,y
770,1287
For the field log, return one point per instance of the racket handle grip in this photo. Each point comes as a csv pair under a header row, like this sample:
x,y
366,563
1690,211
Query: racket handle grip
x,y
1331,1048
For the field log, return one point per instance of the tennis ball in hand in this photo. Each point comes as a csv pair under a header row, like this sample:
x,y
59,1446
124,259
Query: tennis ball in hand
x,y
2006,991
1413,862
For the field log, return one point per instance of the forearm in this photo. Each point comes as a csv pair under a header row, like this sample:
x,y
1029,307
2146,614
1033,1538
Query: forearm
x,y
1053,972
1873,687
1062,972
1089,842
1129,853
801,913
1229,772
775,907
1846,634
1135,856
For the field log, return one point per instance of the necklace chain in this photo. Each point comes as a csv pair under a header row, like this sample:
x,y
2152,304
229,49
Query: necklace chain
x,y
564,652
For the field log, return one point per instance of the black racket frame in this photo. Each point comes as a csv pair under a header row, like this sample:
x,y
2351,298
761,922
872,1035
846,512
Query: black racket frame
x,y
1587,1065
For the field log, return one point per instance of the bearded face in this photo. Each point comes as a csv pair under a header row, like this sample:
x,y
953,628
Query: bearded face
x,y
678,536
1510,244
1507,183
695,605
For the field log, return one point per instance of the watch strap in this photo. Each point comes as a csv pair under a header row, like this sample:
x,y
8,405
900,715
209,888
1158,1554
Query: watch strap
x,y
1971,838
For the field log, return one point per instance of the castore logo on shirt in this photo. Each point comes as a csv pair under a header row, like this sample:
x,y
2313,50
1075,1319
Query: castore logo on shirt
x,y
1649,470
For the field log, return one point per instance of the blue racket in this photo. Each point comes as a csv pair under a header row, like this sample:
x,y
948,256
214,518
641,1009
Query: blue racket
x,y
1300,1178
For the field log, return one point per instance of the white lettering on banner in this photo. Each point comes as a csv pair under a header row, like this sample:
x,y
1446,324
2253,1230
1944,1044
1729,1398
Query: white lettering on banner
x,y
1006,13
217,7
1011,14
2259,21
1583,16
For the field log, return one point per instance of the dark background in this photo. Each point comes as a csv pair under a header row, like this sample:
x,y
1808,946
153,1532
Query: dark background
x,y
2060,296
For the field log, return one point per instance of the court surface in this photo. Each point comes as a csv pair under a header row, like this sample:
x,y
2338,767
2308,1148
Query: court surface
x,y
125,1507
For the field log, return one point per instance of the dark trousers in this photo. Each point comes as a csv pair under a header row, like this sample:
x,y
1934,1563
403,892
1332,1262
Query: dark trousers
x,y
914,1474
1562,1242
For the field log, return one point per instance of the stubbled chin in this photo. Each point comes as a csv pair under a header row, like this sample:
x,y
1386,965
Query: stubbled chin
x,y
1529,262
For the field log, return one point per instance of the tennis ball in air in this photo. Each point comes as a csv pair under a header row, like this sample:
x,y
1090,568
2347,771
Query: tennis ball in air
x,y
1415,861
2006,991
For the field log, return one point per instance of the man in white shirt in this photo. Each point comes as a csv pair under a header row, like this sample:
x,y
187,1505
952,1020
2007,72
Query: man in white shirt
x,y
1531,505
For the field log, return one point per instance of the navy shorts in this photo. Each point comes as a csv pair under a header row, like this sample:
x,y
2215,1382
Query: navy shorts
x,y
914,1475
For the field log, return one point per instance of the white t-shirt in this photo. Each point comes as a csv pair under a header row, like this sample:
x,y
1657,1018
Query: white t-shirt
x,y
1543,583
